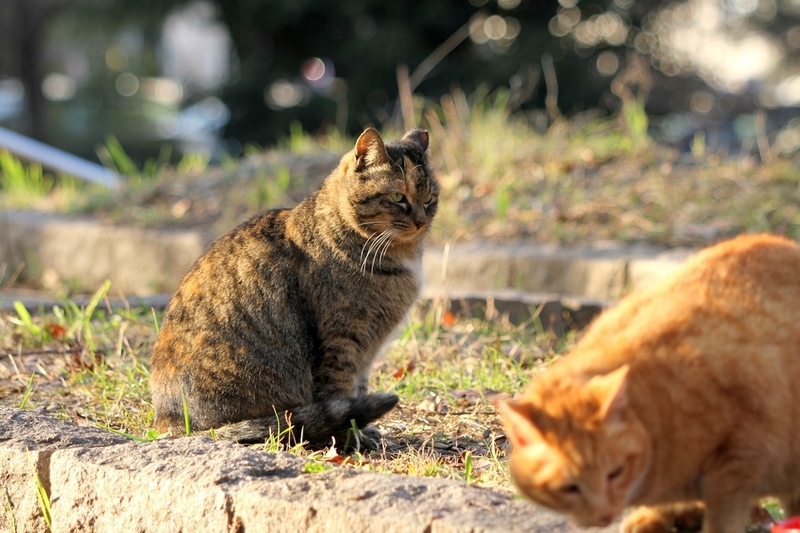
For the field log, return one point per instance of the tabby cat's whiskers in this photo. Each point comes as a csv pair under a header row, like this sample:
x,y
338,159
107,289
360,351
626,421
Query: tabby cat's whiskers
x,y
380,244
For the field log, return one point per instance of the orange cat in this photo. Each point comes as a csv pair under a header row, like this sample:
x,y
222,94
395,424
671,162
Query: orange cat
x,y
684,398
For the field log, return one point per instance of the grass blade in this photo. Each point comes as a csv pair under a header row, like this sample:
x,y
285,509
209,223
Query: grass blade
x,y
26,318
186,421
41,495
10,519
28,389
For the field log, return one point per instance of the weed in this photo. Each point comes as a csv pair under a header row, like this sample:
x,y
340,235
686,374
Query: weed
x,y
468,466
192,163
187,423
23,182
636,120
114,156
24,319
354,432
28,389
315,467
41,495
11,520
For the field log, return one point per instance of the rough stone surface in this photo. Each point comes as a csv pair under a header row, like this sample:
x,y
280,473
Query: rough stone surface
x,y
137,261
27,442
99,482
199,485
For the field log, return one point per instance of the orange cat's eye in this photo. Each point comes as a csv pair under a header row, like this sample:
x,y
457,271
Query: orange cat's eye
x,y
614,474
570,489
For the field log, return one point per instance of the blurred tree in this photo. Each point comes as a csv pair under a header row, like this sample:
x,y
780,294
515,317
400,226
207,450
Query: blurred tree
x,y
361,43
25,26
336,63
22,25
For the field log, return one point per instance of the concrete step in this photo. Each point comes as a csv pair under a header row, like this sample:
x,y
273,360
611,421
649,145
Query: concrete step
x,y
83,253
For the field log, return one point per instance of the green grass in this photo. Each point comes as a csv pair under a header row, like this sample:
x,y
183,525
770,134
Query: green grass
x,y
91,363
11,520
504,177
19,180
26,185
41,495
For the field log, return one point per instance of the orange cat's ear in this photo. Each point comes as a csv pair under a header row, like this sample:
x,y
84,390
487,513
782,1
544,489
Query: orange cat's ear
x,y
419,136
518,424
370,149
612,390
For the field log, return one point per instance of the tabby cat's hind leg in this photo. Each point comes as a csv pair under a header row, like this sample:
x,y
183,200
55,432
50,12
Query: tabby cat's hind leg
x,y
682,517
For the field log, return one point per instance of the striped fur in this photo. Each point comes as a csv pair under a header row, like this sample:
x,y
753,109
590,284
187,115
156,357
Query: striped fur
x,y
280,320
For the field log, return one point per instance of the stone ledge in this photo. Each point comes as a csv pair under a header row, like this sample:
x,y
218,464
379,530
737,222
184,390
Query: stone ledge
x,y
605,271
99,482
56,248
27,443
142,262
553,311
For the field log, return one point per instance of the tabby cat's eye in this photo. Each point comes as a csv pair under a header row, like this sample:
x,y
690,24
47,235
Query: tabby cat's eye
x,y
428,199
397,197
614,474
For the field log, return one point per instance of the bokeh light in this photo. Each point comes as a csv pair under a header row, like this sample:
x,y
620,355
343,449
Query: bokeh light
x,y
58,87
127,84
283,94
607,63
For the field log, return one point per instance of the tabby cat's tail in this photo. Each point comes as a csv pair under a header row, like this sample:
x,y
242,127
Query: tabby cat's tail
x,y
315,423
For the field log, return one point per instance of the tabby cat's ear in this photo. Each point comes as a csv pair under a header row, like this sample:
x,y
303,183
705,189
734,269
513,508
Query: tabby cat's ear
x,y
370,149
518,424
612,391
419,136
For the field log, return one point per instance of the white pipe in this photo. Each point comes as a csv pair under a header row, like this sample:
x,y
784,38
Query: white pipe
x,y
55,159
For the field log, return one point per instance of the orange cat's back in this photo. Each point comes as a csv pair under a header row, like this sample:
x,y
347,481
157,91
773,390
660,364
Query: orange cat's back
x,y
684,392
742,289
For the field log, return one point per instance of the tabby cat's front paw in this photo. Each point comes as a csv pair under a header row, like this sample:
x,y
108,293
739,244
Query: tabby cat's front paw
x,y
370,438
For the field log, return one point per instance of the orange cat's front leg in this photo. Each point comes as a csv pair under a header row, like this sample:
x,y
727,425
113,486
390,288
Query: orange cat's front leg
x,y
730,516
665,518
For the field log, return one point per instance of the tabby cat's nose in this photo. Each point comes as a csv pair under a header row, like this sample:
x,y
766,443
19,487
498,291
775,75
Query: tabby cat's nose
x,y
419,218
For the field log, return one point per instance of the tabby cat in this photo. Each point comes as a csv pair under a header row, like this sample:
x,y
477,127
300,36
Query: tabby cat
x,y
683,399
279,321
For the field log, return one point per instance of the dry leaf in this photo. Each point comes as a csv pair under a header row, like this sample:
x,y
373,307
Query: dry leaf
x,y
56,331
434,404
402,371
